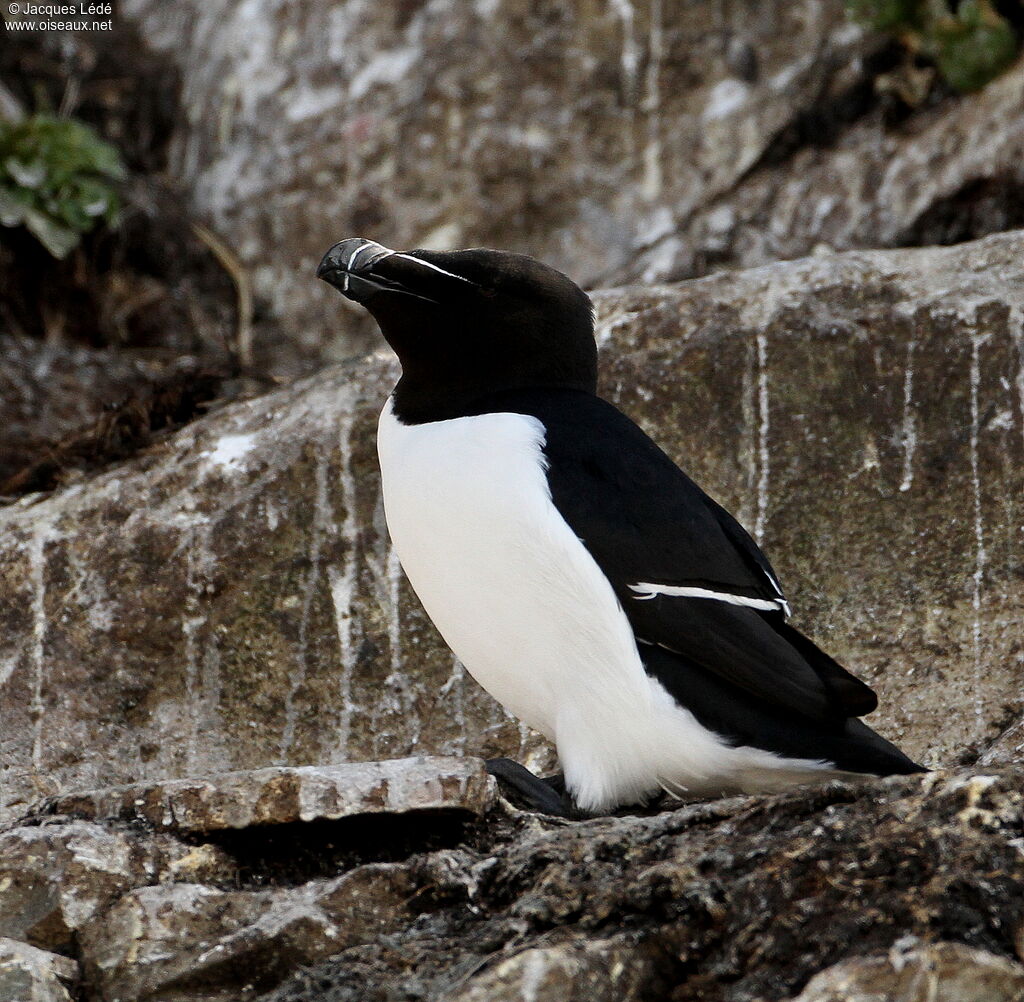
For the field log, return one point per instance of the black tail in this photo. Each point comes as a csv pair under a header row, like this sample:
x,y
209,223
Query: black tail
x,y
743,719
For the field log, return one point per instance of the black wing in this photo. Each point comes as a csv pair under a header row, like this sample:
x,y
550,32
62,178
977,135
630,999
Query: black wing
x,y
688,575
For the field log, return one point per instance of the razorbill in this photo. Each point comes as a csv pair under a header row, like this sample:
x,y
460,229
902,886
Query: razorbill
x,y
580,576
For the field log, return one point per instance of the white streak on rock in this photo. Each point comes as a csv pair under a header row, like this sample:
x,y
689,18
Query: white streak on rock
x,y
91,592
394,574
384,68
661,259
908,432
454,690
653,175
230,450
763,418
322,520
37,568
342,583
199,565
535,966
726,96
606,329
630,57
524,739
747,458
313,103
1017,331
404,700
979,531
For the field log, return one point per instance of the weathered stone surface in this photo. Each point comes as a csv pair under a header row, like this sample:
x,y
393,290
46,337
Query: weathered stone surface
x,y
893,414
280,796
188,941
229,600
28,974
580,970
1008,748
53,878
134,645
576,132
949,172
733,901
619,141
939,972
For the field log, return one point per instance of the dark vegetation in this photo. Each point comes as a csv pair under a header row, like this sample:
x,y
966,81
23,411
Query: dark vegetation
x,y
970,42
140,327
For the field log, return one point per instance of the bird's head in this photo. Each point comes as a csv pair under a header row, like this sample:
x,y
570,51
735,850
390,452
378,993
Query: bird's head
x,y
467,324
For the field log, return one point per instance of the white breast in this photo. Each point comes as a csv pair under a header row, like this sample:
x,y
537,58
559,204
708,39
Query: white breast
x,y
522,603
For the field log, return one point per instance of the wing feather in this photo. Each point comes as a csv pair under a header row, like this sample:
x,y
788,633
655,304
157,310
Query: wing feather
x,y
689,577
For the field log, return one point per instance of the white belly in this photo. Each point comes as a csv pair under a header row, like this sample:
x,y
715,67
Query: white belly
x,y
505,580
527,610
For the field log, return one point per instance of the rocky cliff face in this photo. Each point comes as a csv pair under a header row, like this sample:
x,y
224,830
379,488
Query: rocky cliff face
x,y
411,881
229,600
211,666
620,141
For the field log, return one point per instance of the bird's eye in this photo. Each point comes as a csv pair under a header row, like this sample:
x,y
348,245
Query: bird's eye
x,y
489,291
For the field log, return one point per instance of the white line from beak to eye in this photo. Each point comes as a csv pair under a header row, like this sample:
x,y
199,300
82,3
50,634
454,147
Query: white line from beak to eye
x,y
433,267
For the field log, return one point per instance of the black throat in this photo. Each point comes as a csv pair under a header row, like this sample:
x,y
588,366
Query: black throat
x,y
454,358
468,325
462,387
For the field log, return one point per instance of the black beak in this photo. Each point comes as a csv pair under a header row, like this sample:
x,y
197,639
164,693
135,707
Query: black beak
x,y
360,269
348,266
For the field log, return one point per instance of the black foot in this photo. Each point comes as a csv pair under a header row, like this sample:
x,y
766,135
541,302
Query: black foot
x,y
548,796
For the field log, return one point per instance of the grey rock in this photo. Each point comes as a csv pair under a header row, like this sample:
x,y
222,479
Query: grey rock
x,y
580,970
576,133
54,878
672,141
947,173
842,887
280,796
131,650
193,942
1007,748
28,974
187,863
228,601
933,972
732,901
915,490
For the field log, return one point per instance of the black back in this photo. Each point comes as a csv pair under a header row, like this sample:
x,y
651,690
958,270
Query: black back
x,y
480,331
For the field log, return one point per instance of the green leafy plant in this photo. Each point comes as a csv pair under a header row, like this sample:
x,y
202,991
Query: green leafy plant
x,y
57,178
970,42
885,15
973,47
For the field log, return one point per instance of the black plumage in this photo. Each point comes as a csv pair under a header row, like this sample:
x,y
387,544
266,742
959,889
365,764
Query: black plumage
x,y
744,673
482,332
